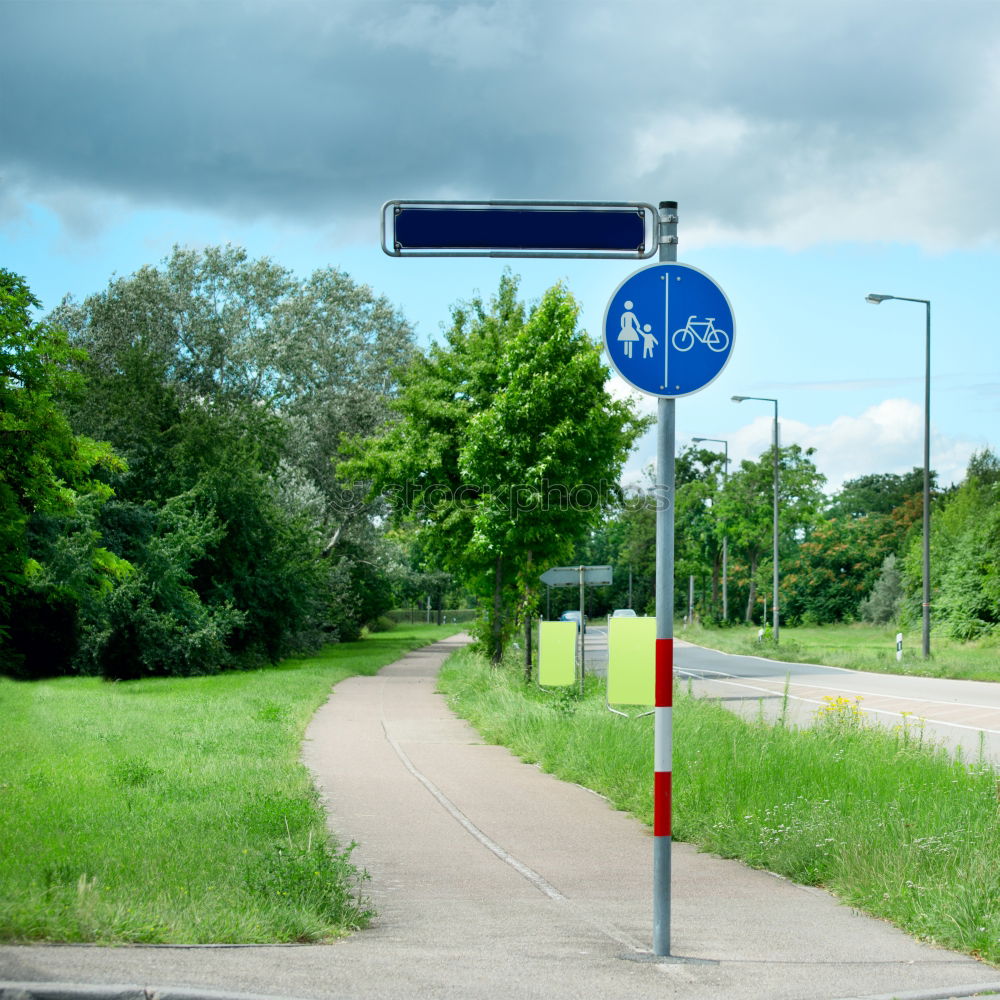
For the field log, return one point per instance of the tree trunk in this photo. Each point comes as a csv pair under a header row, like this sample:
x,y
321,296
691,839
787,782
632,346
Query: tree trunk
x,y
527,644
528,608
752,599
496,654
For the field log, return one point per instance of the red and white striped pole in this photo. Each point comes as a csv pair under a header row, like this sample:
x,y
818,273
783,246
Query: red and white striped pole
x,y
664,684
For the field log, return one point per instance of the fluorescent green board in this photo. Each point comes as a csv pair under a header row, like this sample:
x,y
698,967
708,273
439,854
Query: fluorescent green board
x,y
631,661
557,654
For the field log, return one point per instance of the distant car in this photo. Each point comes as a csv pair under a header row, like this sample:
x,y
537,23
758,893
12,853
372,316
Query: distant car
x,y
574,616
623,613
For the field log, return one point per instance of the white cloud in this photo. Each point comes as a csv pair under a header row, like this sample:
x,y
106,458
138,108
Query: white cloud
x,y
887,437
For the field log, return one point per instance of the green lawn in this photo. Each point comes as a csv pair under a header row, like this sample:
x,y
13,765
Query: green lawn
x,y
889,823
858,647
177,810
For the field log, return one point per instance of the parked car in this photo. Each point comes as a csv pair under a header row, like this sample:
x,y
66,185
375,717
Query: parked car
x,y
623,613
574,616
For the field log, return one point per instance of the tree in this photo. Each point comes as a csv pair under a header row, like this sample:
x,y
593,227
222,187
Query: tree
x,y
231,380
965,558
882,606
698,529
413,465
876,493
547,453
506,447
834,567
746,508
984,466
51,489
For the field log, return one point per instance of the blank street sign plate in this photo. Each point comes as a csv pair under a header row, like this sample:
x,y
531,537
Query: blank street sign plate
x,y
569,576
519,229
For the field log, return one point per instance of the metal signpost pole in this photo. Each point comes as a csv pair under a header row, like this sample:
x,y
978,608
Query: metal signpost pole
x,y
664,684
582,644
927,490
774,601
656,358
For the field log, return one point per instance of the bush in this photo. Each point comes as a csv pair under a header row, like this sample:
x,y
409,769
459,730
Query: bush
x,y
882,606
382,624
155,621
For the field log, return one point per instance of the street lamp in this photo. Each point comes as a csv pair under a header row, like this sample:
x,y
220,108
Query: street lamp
x,y
774,597
875,300
725,536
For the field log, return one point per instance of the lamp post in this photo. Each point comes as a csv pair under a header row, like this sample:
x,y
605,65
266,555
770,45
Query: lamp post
x,y
725,536
774,597
875,300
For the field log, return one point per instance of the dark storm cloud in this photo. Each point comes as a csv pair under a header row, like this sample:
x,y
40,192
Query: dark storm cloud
x,y
328,109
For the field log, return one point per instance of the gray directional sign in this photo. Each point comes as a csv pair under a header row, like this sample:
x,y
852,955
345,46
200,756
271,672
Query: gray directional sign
x,y
569,576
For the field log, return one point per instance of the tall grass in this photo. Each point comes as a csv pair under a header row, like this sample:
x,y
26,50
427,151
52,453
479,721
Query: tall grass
x,y
887,821
176,810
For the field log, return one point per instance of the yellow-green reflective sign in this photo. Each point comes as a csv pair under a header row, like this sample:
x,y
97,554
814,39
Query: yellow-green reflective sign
x,y
557,654
631,661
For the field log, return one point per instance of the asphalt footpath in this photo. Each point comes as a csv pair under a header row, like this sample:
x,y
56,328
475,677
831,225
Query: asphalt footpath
x,y
495,881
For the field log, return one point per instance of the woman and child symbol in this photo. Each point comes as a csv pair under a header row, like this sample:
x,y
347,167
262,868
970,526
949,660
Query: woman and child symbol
x,y
630,333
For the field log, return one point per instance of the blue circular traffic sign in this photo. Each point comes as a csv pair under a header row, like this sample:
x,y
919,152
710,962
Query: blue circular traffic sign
x,y
669,329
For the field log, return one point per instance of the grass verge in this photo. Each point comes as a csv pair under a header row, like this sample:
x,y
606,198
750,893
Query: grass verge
x,y
858,647
890,823
177,810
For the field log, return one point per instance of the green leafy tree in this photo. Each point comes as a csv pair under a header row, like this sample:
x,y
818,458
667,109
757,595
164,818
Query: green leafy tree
x,y
506,448
698,530
834,568
414,463
965,556
231,379
746,508
546,455
876,493
51,487
882,605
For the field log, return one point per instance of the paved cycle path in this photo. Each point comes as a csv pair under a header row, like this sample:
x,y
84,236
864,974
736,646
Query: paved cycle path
x,y
496,881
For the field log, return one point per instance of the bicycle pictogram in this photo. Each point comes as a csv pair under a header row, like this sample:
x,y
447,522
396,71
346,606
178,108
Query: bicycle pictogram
x,y
704,331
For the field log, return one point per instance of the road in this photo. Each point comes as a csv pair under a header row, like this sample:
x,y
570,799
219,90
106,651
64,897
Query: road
x,y
959,714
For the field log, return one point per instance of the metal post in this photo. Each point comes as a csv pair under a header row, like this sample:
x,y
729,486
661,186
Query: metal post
x,y
582,643
774,599
875,300
927,488
725,539
663,708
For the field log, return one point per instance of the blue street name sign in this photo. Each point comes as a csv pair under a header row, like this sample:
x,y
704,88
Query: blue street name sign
x,y
518,229
668,330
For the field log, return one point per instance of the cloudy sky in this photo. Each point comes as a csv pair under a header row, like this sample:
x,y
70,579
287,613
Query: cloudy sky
x,y
818,151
